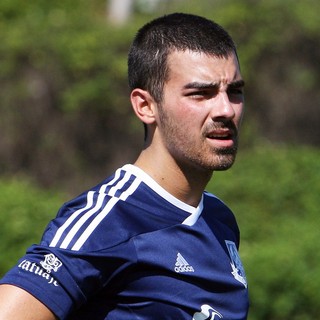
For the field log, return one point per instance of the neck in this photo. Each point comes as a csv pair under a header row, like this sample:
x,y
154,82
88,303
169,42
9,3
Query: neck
x,y
186,183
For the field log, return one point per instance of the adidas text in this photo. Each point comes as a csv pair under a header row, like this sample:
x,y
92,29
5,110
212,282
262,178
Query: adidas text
x,y
184,269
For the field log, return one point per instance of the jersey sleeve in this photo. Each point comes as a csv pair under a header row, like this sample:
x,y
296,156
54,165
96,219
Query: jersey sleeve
x,y
64,280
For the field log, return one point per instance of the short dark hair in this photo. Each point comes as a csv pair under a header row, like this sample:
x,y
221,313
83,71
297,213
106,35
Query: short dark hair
x,y
147,60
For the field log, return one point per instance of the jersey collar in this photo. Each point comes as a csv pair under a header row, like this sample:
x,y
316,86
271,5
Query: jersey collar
x,y
194,212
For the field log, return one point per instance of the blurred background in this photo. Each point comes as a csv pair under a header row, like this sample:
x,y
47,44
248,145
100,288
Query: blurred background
x,y
66,123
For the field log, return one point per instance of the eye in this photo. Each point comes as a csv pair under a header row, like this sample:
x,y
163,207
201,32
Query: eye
x,y
235,91
235,94
196,93
236,88
201,94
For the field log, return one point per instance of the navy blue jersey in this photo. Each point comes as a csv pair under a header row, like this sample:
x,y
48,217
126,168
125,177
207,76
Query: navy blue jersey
x,y
127,249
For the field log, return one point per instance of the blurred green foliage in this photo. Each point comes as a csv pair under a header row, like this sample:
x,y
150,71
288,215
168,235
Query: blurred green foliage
x,y
25,210
70,44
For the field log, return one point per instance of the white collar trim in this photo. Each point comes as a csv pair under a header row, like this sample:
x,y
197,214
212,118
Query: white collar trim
x,y
194,212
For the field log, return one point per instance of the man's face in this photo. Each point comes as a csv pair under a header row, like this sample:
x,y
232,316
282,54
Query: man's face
x,y
201,110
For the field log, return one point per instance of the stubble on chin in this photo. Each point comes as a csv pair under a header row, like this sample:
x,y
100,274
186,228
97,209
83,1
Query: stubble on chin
x,y
220,159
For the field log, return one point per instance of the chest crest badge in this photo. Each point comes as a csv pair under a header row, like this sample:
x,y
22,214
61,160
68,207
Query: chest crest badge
x,y
236,264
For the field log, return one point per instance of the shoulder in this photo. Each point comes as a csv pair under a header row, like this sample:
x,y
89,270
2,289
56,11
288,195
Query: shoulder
x,y
211,202
215,209
107,215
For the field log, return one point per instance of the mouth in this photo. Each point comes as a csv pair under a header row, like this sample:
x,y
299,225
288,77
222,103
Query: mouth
x,y
221,134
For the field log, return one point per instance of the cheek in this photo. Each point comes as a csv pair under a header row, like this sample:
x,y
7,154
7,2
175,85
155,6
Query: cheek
x,y
186,115
193,122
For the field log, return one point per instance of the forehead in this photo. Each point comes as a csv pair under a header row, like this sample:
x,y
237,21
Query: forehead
x,y
188,66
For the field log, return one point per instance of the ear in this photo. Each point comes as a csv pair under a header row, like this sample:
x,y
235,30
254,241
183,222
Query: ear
x,y
143,105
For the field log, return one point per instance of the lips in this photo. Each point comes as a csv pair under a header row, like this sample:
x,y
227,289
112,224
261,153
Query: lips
x,y
221,134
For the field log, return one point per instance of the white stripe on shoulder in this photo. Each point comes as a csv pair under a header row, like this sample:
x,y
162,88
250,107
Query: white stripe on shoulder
x,y
83,220
96,221
71,219
76,214
98,206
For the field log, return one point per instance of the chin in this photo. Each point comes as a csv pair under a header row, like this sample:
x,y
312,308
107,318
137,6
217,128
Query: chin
x,y
217,166
223,167
225,162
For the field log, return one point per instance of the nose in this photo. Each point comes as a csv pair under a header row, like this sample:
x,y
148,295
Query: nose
x,y
222,108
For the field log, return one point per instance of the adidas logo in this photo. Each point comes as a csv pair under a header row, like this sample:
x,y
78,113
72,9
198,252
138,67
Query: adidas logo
x,y
182,265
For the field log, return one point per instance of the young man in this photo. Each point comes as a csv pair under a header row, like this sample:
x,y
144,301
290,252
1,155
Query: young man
x,y
149,242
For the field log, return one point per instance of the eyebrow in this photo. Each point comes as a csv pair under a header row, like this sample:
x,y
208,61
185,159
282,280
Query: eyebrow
x,y
237,84
212,85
